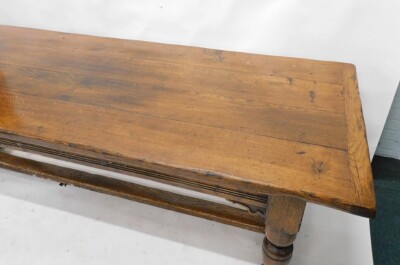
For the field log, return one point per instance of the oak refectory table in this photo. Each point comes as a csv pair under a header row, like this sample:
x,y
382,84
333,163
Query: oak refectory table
x,y
268,133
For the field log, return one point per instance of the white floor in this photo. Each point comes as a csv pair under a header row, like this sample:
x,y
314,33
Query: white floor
x,y
44,223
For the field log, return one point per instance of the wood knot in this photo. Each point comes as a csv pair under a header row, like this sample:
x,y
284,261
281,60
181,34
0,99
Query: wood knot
x,y
312,95
318,167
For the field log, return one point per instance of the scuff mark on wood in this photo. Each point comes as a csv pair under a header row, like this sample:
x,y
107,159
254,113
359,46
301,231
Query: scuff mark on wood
x,y
65,97
217,54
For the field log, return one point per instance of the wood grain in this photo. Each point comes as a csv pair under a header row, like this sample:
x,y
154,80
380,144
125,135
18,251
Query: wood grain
x,y
251,124
359,164
283,219
319,127
232,61
160,198
282,223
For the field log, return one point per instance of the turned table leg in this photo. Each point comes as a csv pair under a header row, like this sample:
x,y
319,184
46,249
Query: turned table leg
x,y
282,223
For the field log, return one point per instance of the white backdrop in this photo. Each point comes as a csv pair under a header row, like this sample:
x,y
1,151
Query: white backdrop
x,y
363,32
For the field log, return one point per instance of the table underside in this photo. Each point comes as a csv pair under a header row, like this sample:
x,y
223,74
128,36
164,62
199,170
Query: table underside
x,y
252,219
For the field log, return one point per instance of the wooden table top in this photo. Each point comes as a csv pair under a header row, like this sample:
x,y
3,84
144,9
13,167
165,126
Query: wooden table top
x,y
254,123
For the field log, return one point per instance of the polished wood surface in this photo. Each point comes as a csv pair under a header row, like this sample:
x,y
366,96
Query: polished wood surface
x,y
239,125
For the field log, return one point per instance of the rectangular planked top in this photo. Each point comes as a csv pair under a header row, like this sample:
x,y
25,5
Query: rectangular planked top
x,y
254,123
